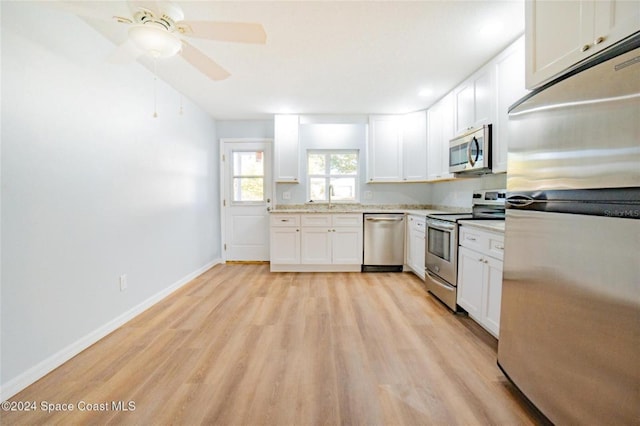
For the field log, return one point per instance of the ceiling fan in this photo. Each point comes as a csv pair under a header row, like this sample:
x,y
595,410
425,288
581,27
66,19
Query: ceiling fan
x,y
158,29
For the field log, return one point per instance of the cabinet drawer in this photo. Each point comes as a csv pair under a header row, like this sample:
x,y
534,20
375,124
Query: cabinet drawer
x,y
347,220
496,246
285,219
489,243
417,223
474,239
316,220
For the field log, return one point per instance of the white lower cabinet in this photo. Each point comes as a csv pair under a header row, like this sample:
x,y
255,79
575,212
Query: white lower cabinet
x,y
284,246
416,226
325,242
480,276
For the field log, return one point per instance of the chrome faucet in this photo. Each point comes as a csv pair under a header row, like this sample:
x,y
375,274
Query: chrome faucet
x,y
330,194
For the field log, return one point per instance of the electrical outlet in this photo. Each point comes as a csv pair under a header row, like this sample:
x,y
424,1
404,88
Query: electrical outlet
x,y
123,282
286,195
368,195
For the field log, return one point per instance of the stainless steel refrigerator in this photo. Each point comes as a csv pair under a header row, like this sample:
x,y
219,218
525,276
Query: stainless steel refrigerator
x,y
570,317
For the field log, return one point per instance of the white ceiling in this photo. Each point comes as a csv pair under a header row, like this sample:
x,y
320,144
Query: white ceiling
x,y
335,57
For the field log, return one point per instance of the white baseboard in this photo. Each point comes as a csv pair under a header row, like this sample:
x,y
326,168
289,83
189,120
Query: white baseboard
x,y
43,368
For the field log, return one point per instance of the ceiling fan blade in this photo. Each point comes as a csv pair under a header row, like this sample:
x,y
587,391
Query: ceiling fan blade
x,y
203,63
125,53
241,32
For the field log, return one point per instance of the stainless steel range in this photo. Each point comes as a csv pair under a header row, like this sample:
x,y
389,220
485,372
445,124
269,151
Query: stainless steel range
x,y
441,259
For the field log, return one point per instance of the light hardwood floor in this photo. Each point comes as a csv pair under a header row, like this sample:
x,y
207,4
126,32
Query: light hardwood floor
x,y
242,346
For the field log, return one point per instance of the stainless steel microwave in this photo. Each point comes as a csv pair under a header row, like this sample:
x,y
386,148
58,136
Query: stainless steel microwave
x,y
471,153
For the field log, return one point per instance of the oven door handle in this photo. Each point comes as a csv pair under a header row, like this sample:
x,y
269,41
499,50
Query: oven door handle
x,y
441,227
437,280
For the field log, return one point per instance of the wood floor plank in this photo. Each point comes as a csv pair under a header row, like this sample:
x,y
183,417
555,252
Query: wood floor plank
x,y
242,346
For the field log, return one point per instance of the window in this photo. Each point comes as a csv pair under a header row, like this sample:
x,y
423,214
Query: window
x,y
337,170
248,176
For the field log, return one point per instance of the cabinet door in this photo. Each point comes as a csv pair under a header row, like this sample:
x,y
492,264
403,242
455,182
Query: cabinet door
x,y
285,245
492,295
509,68
414,146
556,32
470,281
384,149
286,148
315,246
614,20
346,246
464,107
484,97
416,251
440,131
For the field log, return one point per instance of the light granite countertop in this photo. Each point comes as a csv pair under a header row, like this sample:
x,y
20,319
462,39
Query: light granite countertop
x,y
421,210
490,225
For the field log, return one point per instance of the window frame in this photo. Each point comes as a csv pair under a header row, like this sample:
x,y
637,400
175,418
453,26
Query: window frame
x,y
328,176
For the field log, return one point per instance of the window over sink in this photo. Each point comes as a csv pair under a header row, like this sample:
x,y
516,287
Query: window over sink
x,y
332,170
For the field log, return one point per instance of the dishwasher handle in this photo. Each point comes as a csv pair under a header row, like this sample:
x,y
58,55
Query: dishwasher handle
x,y
385,219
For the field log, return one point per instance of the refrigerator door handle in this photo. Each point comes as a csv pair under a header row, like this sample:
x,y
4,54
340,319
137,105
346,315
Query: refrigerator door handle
x,y
519,200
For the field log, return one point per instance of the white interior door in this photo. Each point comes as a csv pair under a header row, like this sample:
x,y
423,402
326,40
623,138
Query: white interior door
x,y
247,187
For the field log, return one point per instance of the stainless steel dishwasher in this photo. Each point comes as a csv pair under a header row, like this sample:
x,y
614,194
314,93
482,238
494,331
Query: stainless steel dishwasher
x,y
383,242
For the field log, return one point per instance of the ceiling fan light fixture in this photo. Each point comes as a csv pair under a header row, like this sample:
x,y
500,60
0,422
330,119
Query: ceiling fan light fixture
x,y
157,42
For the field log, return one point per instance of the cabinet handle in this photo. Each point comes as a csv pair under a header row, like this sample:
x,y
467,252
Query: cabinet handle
x,y
599,40
499,247
471,238
585,48
297,230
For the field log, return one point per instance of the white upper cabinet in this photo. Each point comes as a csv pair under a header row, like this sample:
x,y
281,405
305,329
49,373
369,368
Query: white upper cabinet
x,y
414,146
286,148
384,153
474,101
440,131
560,34
509,71
397,148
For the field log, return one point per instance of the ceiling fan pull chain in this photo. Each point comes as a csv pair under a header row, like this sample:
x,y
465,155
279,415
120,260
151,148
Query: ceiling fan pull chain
x,y
155,90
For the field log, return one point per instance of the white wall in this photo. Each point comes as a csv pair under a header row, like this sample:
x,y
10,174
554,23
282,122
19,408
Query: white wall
x,y
458,192
92,187
258,129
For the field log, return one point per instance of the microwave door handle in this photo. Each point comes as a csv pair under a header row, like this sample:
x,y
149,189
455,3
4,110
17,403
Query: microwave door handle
x,y
473,141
